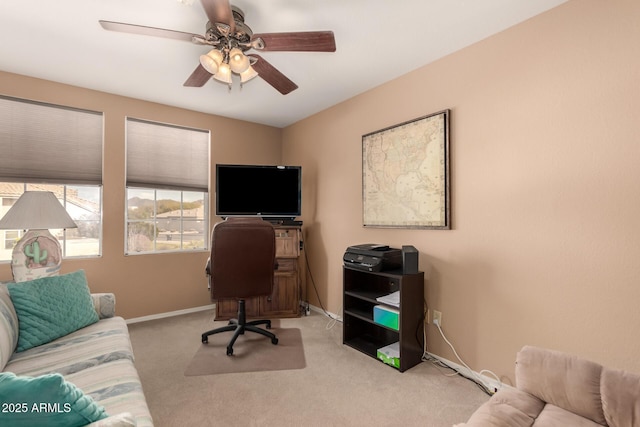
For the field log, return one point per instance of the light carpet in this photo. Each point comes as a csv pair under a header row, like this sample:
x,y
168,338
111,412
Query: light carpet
x,y
339,386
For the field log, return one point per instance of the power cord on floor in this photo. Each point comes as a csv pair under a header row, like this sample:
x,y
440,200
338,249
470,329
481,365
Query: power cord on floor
x,y
473,377
333,320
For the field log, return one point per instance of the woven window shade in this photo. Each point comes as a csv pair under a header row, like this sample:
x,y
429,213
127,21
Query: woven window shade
x,y
167,156
48,143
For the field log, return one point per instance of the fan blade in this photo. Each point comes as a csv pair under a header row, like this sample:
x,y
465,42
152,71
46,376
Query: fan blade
x,y
271,75
219,11
198,78
307,41
148,31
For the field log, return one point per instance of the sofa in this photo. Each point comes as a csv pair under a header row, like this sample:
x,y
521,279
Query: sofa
x,y
558,389
65,358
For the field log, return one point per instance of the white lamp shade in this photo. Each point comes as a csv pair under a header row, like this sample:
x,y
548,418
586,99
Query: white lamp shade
x,y
238,61
248,74
224,74
38,210
211,61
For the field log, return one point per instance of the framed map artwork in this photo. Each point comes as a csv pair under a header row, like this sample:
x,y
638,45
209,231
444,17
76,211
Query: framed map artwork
x,y
405,175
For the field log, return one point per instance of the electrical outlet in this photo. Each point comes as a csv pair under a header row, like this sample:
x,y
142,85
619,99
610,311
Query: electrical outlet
x,y
437,317
304,306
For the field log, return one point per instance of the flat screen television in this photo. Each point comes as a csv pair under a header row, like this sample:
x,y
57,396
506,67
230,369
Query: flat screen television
x,y
272,192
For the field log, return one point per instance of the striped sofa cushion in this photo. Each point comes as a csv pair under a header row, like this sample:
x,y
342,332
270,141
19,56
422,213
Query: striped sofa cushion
x,y
117,387
104,341
8,326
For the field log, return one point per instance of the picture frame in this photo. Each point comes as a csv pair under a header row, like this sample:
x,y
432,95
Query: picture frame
x,y
406,174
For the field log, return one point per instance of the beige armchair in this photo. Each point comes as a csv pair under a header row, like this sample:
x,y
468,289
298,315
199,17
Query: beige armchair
x,y
560,390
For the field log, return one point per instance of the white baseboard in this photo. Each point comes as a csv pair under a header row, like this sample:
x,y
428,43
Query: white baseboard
x,y
171,314
208,307
324,312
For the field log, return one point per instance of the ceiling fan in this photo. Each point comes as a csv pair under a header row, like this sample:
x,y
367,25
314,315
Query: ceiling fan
x,y
230,40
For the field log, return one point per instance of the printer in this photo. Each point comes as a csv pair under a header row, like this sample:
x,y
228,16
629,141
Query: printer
x,y
372,257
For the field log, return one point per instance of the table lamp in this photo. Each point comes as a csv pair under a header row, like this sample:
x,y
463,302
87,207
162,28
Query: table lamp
x,y
38,253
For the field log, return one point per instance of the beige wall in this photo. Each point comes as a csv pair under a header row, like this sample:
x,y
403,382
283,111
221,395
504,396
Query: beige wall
x,y
545,188
146,284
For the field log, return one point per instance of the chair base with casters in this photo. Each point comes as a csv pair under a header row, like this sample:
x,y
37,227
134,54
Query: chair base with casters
x,y
239,326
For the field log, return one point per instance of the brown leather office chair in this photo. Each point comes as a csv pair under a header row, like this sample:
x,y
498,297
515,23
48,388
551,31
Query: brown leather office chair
x,y
241,266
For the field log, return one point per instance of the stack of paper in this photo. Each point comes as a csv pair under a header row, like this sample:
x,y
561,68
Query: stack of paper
x,y
391,299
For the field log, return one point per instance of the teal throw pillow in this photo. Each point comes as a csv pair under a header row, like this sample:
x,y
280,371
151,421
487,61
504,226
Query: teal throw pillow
x,y
51,307
47,400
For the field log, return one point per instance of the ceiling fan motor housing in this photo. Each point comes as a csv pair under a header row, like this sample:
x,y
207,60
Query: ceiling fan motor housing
x,y
218,33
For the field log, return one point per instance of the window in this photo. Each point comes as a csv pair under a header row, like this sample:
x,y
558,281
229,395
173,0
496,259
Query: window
x,y
82,202
10,239
48,147
167,188
165,220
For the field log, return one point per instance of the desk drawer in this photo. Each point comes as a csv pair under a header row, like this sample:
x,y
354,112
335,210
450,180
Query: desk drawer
x,y
286,264
287,243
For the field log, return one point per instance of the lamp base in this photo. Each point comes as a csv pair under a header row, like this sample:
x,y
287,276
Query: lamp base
x,y
38,254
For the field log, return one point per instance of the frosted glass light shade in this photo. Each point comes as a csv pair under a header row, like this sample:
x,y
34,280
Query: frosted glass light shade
x,y
38,210
211,61
208,64
224,73
248,74
238,61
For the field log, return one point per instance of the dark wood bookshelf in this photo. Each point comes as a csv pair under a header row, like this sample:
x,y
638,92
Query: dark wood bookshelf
x,y
361,288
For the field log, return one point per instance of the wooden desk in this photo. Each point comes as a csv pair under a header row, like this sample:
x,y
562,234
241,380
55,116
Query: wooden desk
x,y
285,298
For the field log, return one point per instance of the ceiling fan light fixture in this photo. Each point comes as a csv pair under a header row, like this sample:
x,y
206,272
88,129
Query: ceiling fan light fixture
x,y
224,74
208,64
247,75
238,61
211,61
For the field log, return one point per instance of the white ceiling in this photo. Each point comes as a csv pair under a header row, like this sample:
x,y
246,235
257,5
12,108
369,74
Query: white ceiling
x,y
377,41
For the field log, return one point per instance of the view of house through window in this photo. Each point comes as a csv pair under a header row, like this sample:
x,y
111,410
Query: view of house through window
x,y
82,202
165,220
167,187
